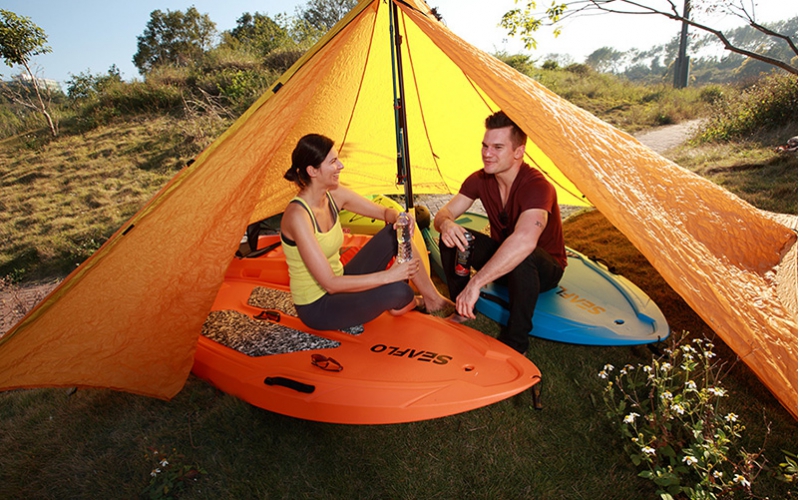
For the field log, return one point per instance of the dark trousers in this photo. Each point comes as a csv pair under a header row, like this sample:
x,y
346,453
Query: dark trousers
x,y
538,273
343,310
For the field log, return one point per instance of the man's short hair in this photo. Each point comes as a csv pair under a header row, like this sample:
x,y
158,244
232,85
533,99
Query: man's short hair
x,y
501,120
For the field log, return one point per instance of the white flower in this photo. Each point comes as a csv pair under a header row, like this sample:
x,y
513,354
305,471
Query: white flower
x,y
691,385
697,341
154,473
689,460
164,462
608,368
738,478
717,474
629,419
666,367
688,348
666,395
648,451
603,375
709,354
716,391
677,409
647,368
731,417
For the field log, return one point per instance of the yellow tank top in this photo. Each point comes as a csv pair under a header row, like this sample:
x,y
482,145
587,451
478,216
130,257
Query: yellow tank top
x,y
305,289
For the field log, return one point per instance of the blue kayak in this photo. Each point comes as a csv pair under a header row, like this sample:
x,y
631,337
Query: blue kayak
x,y
591,305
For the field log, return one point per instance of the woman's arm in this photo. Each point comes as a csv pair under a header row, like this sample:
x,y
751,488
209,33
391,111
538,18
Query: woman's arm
x,y
297,225
354,202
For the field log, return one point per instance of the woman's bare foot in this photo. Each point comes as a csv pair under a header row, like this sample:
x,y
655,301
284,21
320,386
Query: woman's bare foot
x,y
441,307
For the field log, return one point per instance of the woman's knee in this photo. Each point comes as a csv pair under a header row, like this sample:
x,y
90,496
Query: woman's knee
x,y
399,295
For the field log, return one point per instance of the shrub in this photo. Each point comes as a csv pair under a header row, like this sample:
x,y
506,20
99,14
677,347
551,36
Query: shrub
x,y
282,59
671,415
550,65
712,94
128,99
768,104
519,62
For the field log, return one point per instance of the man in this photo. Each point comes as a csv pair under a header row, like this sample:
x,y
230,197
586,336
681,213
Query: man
x,y
526,249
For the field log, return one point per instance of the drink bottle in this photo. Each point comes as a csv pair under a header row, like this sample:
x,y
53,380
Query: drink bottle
x,y
403,226
463,258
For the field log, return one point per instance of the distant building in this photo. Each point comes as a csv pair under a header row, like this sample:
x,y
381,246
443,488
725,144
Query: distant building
x,y
44,83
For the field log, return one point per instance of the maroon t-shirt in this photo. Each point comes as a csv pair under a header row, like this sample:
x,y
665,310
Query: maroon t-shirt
x,y
529,190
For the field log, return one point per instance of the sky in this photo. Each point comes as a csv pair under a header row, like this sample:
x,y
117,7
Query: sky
x,y
91,35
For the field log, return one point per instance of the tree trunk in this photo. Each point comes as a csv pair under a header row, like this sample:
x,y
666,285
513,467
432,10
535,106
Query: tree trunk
x,y
42,108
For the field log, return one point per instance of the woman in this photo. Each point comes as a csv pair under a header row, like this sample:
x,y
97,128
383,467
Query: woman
x,y
328,295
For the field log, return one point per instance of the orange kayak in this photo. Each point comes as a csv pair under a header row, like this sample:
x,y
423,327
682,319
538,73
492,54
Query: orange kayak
x,y
398,369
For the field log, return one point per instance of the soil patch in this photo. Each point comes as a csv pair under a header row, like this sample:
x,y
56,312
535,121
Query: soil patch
x,y
591,234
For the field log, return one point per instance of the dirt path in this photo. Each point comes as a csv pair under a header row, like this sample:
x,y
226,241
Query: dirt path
x,y
664,138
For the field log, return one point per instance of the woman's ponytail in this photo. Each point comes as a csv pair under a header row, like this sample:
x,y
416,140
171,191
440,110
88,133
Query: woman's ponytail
x,y
310,151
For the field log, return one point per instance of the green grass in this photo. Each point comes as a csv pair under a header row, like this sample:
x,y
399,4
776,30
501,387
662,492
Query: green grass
x,y
97,444
60,199
751,169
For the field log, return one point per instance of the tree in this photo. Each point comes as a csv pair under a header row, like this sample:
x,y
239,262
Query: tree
x,y
527,21
174,38
259,33
87,85
324,14
20,40
605,60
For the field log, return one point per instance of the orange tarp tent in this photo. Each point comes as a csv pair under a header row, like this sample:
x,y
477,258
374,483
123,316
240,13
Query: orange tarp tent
x,y
128,318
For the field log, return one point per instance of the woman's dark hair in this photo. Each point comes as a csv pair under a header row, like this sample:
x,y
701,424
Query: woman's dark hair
x,y
311,150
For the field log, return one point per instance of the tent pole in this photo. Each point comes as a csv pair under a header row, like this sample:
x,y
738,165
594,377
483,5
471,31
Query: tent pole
x,y
403,163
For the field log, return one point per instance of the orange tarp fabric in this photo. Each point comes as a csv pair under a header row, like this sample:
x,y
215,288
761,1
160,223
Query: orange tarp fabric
x,y
129,317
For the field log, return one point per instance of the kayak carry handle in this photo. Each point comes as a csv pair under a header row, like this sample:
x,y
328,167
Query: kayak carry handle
x,y
291,384
269,315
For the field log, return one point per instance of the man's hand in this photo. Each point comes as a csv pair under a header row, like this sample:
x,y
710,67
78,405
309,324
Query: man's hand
x,y
466,300
453,235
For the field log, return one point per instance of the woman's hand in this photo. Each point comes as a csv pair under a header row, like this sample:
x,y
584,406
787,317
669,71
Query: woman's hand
x,y
412,222
401,271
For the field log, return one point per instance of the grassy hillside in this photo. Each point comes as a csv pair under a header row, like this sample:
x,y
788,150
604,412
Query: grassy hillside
x,y
60,199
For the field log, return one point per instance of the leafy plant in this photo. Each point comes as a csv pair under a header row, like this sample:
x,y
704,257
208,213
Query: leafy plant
x,y
169,476
671,415
768,104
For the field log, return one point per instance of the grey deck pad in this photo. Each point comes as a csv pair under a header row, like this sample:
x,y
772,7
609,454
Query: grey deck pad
x,y
259,338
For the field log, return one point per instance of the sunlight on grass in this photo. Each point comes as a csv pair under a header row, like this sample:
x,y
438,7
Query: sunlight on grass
x,y
77,190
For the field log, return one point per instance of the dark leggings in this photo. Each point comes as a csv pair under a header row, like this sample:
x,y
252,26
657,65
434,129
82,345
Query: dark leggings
x,y
538,273
343,310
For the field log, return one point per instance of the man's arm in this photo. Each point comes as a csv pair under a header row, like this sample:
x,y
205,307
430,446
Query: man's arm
x,y
450,233
512,251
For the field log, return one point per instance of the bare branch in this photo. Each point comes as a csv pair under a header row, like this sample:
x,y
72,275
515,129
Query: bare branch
x,y
528,22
